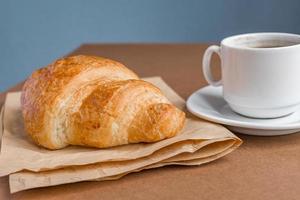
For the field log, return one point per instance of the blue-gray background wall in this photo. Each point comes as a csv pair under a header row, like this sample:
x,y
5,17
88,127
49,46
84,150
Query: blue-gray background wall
x,y
35,32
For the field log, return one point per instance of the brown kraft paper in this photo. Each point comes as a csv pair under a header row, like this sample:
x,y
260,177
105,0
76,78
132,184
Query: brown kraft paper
x,y
30,166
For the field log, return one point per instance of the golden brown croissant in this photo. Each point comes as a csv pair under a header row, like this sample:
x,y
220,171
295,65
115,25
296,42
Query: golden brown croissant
x,y
97,102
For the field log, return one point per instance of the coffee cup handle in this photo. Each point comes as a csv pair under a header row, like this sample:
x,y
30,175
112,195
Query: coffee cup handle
x,y
206,67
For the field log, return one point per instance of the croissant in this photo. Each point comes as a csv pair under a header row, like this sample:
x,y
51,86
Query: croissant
x,y
96,102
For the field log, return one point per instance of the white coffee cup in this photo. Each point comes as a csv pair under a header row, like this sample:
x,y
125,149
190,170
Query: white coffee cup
x,y
260,73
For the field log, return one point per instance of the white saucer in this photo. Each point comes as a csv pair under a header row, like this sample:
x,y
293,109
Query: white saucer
x,y
208,103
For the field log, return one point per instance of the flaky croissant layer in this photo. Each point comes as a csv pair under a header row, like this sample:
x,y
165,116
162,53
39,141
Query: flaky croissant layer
x,y
96,102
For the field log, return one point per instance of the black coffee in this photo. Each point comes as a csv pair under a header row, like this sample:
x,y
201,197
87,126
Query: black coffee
x,y
276,45
270,46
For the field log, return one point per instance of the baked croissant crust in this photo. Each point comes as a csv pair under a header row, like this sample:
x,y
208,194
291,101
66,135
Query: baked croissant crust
x,y
96,102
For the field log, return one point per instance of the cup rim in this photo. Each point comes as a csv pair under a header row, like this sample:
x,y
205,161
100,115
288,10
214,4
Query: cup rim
x,y
228,41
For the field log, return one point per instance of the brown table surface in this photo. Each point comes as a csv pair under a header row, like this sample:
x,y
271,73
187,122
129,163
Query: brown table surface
x,y
262,168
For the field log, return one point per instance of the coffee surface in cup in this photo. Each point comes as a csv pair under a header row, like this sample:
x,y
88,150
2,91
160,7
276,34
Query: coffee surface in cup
x,y
272,45
269,46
